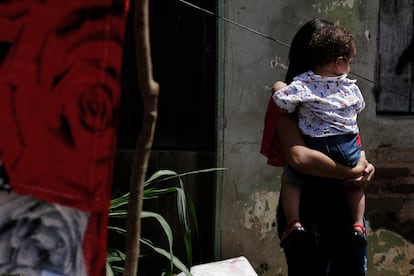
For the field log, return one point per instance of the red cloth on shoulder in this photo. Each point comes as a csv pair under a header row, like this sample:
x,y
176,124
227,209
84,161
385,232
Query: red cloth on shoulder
x,y
271,147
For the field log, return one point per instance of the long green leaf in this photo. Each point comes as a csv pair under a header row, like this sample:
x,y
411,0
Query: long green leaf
x,y
118,213
157,175
177,263
117,229
115,255
109,271
155,193
194,172
119,201
163,175
165,226
192,211
184,222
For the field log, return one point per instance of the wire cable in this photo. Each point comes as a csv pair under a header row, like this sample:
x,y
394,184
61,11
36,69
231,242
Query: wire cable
x,y
395,91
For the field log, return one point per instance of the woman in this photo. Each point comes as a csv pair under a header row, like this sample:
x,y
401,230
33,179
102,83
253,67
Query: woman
x,y
326,247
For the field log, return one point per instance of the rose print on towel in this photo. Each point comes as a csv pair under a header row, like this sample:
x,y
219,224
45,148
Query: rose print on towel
x,y
60,95
37,238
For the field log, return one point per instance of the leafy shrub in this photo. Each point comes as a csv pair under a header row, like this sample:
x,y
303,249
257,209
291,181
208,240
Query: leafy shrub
x,y
185,211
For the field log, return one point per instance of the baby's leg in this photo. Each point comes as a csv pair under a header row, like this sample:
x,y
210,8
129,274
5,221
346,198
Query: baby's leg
x,y
356,198
294,232
290,195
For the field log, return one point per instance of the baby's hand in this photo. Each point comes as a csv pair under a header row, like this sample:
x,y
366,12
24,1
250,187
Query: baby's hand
x,y
278,85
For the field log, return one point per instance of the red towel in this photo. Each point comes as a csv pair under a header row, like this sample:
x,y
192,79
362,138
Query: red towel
x,y
60,72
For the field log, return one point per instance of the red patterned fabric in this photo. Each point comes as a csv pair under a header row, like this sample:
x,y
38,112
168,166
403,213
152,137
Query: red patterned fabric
x,y
60,69
60,94
95,244
271,147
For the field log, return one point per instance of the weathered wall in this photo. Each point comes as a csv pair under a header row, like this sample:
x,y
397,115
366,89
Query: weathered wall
x,y
250,189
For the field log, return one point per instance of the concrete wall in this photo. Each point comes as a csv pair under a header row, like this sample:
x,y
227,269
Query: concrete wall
x,y
249,190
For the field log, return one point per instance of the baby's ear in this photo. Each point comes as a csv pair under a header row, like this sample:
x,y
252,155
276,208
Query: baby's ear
x,y
339,60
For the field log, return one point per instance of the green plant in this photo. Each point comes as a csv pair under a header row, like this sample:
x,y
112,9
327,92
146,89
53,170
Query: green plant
x,y
185,211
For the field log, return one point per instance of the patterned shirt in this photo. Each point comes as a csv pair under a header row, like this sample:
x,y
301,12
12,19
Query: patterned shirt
x,y
326,105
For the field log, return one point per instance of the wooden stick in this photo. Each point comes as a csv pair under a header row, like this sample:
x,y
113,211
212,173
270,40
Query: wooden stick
x,y
149,92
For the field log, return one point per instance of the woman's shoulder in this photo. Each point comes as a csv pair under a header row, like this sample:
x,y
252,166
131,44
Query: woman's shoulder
x,y
305,77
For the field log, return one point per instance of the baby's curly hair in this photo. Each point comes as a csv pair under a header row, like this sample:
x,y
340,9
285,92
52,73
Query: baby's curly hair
x,y
330,42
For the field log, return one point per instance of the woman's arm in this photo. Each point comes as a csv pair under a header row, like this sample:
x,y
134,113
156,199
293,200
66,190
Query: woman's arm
x,y
310,161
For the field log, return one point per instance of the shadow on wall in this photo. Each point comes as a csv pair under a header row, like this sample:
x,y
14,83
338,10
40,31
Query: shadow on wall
x,y
390,201
407,56
390,197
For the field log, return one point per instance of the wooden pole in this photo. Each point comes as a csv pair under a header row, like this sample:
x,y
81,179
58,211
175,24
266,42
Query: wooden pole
x,y
149,92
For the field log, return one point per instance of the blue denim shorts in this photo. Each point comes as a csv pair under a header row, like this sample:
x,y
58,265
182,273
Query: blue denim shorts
x,y
343,149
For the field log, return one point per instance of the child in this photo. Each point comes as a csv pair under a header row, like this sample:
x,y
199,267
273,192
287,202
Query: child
x,y
327,104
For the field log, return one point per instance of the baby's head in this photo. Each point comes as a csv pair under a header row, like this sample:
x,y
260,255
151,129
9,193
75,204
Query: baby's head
x,y
330,43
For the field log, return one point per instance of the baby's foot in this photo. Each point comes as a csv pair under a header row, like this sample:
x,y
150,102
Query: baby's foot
x,y
359,235
293,234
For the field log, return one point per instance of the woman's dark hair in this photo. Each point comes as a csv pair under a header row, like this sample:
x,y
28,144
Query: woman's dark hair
x,y
300,58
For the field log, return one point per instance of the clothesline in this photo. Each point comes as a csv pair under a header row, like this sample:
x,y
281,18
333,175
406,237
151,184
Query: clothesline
x,y
283,44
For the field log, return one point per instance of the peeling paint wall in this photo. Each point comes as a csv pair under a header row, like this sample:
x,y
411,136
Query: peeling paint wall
x,y
259,214
250,189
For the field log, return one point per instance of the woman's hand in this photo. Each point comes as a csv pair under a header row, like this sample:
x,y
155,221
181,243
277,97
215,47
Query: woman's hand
x,y
362,181
360,167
